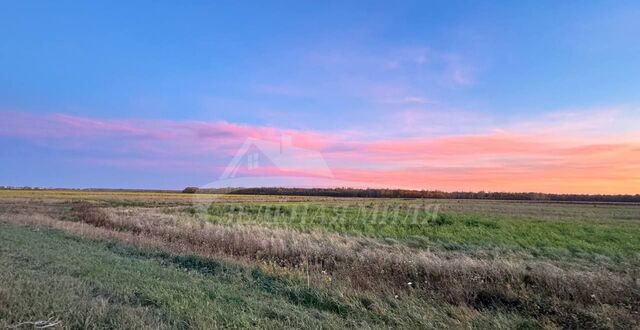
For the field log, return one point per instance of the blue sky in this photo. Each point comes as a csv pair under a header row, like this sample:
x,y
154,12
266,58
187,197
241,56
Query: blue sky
x,y
364,71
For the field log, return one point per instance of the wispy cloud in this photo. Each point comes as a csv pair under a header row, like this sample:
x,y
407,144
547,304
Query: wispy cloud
x,y
561,156
399,74
145,136
407,100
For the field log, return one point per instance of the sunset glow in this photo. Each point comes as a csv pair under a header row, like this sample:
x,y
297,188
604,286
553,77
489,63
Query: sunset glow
x,y
480,100
494,161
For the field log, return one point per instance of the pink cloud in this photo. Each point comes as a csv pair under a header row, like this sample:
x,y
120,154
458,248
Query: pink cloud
x,y
524,160
189,136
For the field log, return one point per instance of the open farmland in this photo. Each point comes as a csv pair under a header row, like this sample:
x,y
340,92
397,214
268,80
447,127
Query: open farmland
x,y
167,260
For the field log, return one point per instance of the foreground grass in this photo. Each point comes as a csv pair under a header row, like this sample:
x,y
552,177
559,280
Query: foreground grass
x,y
92,284
145,261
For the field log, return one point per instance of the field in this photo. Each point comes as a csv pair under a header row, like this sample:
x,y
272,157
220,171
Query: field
x,y
169,260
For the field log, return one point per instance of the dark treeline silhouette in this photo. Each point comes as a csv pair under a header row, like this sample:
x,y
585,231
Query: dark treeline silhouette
x,y
435,194
374,193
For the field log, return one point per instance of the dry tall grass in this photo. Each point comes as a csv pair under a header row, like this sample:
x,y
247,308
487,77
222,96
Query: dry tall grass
x,y
570,297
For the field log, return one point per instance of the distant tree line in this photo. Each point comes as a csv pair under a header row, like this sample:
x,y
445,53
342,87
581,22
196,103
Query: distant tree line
x,y
434,194
376,193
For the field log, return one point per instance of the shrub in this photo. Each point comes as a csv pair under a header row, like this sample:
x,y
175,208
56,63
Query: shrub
x,y
89,213
190,190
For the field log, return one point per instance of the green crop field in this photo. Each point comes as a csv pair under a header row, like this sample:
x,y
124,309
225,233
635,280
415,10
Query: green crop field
x,y
163,260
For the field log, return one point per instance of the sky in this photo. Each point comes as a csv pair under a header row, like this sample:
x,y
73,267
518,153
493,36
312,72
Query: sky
x,y
537,96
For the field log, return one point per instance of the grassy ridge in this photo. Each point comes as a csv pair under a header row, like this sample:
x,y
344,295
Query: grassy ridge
x,y
91,284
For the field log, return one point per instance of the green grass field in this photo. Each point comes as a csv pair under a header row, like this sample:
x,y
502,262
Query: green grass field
x,y
570,235
140,260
